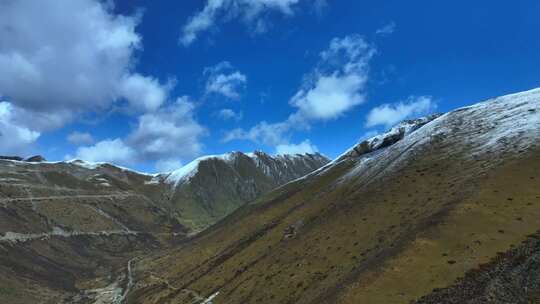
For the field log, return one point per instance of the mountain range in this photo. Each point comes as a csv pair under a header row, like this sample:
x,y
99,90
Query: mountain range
x,y
439,209
65,226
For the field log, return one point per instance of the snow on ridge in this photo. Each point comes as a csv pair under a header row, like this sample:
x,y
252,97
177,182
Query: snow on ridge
x,y
502,124
95,165
188,171
492,107
78,162
399,131
487,126
514,116
191,169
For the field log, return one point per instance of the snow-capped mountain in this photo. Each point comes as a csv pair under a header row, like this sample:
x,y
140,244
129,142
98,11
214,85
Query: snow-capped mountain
x,y
211,187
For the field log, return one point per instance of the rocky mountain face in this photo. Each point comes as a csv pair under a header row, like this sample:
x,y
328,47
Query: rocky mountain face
x,y
69,227
212,187
438,210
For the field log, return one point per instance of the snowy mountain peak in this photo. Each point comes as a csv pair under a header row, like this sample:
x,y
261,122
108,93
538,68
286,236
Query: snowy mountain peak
x,y
267,163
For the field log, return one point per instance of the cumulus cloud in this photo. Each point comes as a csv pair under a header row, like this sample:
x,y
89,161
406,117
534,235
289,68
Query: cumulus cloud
x,y
336,86
330,96
252,12
168,134
389,114
143,93
387,29
67,57
228,114
80,138
223,79
270,134
109,150
15,138
301,148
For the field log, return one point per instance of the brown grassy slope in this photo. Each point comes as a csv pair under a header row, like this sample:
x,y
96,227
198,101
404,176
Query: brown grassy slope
x,y
416,219
39,198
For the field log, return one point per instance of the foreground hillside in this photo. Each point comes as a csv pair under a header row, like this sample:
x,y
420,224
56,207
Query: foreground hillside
x,y
397,219
68,230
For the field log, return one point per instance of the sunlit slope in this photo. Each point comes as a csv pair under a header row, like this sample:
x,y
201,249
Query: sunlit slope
x,y
383,225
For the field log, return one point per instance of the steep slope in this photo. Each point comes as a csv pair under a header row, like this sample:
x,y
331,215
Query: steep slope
x,y
212,187
391,220
68,227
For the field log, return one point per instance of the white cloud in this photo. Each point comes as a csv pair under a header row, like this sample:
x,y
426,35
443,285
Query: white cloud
x,y
228,114
390,114
165,135
143,93
170,132
80,138
338,84
268,134
15,139
330,97
387,29
109,150
335,87
253,13
301,148
224,80
68,57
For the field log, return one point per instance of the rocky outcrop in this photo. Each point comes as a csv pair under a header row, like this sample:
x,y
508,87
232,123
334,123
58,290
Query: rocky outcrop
x,y
389,138
35,159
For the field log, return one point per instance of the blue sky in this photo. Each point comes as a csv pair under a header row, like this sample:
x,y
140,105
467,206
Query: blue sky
x,y
154,84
